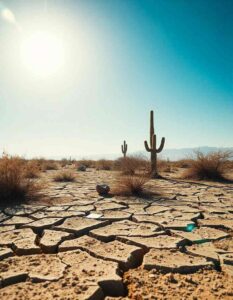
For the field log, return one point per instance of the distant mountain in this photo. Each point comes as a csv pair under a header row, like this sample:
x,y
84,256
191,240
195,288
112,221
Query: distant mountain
x,y
176,154
171,154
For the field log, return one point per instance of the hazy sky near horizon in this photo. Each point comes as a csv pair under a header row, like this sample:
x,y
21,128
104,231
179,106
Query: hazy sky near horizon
x,y
120,59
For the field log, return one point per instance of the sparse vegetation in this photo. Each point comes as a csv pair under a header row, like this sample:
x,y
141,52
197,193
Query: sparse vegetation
x,y
88,163
64,176
31,169
129,165
104,164
182,163
131,185
210,166
66,162
49,165
14,187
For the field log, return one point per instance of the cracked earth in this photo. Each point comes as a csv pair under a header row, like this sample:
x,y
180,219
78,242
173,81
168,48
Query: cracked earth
x,y
78,245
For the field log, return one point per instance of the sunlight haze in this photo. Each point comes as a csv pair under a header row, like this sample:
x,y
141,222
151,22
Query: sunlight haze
x,y
79,77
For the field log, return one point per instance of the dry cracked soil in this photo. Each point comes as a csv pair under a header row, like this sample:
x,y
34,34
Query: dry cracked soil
x,y
78,245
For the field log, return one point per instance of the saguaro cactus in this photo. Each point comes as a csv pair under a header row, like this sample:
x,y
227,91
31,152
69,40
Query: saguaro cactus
x,y
124,148
153,147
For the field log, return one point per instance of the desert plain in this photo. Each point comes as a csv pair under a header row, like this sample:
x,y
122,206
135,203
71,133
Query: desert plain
x,y
77,244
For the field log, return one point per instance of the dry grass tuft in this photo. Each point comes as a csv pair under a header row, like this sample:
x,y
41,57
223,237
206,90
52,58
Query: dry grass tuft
x,y
88,163
66,162
131,186
104,164
64,177
14,187
31,169
182,163
131,164
210,166
48,165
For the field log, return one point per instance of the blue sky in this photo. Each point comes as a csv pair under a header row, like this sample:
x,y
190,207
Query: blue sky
x,y
122,59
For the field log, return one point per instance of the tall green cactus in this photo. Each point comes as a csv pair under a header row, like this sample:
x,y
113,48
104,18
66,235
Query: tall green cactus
x,y
124,148
153,147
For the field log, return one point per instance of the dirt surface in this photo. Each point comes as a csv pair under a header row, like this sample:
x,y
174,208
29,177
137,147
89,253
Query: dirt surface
x,y
75,244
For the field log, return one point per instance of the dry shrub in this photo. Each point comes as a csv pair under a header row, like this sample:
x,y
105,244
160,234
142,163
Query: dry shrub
x,y
66,162
88,163
31,169
48,165
129,165
183,163
163,165
131,185
64,177
104,164
14,187
210,166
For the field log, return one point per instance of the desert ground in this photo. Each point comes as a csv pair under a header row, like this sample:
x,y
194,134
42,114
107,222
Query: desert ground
x,y
76,244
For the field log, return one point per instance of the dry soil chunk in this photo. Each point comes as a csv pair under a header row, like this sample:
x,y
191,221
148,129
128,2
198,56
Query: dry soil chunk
x,y
93,270
5,252
173,261
102,205
57,214
153,209
127,256
217,223
51,239
210,234
44,223
206,250
17,220
80,226
22,210
6,228
124,228
71,290
116,215
157,242
82,208
22,240
38,267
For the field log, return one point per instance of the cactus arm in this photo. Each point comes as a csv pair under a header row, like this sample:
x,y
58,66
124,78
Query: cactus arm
x,y
122,149
161,145
126,148
147,147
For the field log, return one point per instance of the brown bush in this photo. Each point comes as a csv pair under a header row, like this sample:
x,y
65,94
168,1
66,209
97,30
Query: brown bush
x,y
49,165
130,164
14,187
64,177
104,164
88,163
131,185
182,163
31,169
210,166
66,162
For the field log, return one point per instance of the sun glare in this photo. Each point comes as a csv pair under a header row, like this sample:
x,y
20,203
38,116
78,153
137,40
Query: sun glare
x,y
42,53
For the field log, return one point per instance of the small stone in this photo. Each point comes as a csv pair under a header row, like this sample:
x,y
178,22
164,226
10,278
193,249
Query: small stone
x,y
102,189
82,168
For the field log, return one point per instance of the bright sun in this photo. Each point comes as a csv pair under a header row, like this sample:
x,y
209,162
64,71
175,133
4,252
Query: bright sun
x,y
42,53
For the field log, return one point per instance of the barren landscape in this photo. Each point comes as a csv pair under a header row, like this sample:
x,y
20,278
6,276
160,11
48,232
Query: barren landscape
x,y
76,244
116,150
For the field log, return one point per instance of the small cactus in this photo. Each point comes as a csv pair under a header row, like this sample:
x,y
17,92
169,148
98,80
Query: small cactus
x,y
153,149
124,148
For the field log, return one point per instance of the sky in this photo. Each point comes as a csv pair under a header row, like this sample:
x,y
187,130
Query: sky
x,y
119,60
